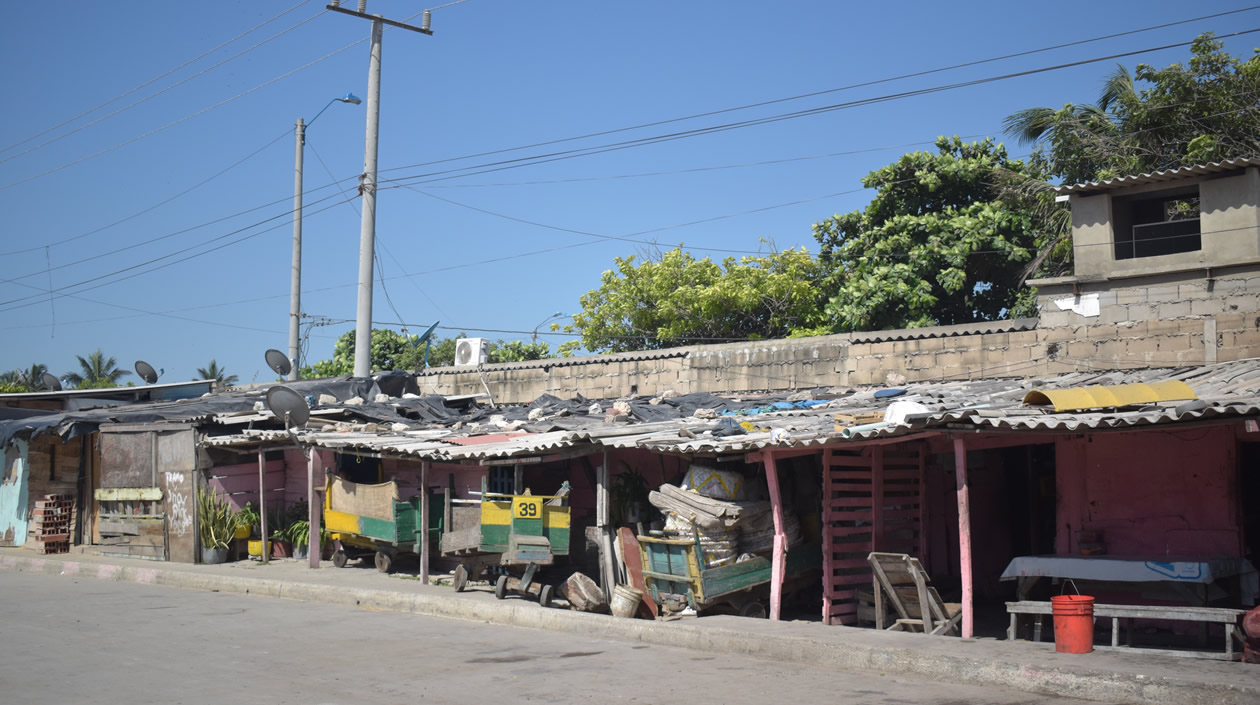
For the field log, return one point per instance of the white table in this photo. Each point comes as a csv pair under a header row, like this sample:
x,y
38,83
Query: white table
x,y
1126,569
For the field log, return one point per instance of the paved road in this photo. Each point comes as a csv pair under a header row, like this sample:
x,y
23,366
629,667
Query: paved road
x,y
68,640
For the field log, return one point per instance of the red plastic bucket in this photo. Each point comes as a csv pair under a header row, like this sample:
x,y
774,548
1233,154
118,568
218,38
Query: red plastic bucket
x,y
1073,623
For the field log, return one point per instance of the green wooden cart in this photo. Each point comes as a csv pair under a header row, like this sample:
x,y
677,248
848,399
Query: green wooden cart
x,y
371,521
676,578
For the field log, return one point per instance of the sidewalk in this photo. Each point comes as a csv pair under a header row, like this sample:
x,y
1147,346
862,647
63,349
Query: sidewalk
x,y
1035,668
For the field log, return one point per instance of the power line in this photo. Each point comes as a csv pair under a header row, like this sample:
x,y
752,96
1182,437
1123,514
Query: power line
x,y
153,207
713,129
169,255
181,120
151,82
824,92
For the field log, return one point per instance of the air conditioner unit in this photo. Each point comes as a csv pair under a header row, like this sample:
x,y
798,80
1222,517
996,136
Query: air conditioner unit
x,y
470,352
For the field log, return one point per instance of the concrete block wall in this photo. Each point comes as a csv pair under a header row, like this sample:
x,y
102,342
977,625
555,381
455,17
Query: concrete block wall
x,y
1165,320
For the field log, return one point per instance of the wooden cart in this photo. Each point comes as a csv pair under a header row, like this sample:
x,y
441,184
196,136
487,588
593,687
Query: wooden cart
x,y
519,533
370,520
676,578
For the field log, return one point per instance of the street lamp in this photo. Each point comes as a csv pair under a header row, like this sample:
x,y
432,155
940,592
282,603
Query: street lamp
x,y
534,337
295,283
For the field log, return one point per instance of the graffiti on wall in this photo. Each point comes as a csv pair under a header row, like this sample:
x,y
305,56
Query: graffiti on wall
x,y
180,512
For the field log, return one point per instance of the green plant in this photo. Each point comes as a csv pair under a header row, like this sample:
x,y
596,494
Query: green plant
x,y
629,489
248,516
299,533
218,521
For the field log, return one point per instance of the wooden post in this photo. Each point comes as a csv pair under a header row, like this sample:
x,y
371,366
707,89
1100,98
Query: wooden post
x,y
518,479
424,522
607,570
262,502
314,547
778,563
964,538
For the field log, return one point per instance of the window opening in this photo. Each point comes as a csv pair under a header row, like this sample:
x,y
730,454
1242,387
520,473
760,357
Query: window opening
x,y
1154,224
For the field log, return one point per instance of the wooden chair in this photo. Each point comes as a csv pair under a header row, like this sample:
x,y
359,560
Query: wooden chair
x,y
901,580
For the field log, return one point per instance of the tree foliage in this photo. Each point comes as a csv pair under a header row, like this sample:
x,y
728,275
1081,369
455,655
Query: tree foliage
x,y
218,374
1155,118
939,244
392,350
675,299
96,372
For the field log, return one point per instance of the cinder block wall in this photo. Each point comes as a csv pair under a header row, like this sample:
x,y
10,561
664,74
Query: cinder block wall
x,y
1169,320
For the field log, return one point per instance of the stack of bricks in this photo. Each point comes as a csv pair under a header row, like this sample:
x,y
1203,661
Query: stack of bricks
x,y
52,523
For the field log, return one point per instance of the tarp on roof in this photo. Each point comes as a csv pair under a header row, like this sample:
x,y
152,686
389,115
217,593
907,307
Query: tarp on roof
x,y
1113,397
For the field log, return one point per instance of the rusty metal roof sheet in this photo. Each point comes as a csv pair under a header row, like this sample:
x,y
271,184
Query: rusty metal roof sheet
x,y
1225,166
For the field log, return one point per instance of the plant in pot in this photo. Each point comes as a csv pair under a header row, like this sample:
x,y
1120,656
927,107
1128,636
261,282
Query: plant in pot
x,y
247,525
218,522
278,523
629,496
299,534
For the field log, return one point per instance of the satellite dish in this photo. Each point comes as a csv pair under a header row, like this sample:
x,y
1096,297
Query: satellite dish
x,y
278,362
146,372
51,383
288,405
428,333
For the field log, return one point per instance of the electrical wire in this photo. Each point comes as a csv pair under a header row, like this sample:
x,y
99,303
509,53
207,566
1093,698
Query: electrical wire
x,y
186,118
153,207
151,81
827,91
809,112
160,92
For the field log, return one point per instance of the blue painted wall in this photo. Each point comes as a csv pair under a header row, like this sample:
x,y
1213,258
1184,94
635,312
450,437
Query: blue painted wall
x,y
14,496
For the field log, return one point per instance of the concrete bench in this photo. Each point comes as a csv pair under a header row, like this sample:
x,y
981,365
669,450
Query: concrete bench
x,y
1205,615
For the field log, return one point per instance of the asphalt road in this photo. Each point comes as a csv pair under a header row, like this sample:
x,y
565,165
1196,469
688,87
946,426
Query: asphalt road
x,y
86,641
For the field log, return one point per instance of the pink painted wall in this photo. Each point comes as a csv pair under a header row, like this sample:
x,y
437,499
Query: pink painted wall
x,y
240,482
1152,493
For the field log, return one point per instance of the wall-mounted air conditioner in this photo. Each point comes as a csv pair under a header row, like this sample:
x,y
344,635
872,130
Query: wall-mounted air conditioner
x,y
470,352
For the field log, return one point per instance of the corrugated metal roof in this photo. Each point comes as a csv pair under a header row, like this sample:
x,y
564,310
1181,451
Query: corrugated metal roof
x,y
636,356
982,328
1225,390
1159,176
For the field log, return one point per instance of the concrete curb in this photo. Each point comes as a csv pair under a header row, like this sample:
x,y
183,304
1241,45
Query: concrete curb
x,y
955,665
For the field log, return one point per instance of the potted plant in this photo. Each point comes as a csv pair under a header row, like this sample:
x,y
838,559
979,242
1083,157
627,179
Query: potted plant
x,y
628,496
248,521
218,522
299,535
278,523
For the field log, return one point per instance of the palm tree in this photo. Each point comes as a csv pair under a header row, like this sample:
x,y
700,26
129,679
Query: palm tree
x,y
33,379
218,374
96,371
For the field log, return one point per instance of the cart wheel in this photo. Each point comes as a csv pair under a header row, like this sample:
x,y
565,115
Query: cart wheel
x,y
460,581
500,587
544,596
383,562
754,609
339,559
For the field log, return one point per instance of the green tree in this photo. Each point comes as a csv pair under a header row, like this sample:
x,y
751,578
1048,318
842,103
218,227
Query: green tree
x,y
391,350
518,351
1153,119
939,244
11,382
675,299
218,374
96,372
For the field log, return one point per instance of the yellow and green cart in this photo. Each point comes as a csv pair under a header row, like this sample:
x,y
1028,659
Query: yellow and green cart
x,y
517,533
370,521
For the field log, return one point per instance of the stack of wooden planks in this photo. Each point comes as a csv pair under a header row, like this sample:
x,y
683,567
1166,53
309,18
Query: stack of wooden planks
x,y
52,523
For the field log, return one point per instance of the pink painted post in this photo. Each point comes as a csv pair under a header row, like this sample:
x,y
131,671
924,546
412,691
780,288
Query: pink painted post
x,y
424,523
964,538
314,546
778,564
262,503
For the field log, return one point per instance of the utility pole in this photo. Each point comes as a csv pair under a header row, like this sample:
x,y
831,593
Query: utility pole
x,y
367,228
295,279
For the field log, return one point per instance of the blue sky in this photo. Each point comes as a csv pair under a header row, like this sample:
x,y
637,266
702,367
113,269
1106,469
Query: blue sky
x,y
496,75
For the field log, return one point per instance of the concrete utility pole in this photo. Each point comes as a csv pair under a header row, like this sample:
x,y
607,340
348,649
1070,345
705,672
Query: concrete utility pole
x,y
367,232
295,279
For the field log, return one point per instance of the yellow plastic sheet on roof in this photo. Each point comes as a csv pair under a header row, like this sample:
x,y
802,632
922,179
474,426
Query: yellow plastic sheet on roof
x,y
1098,397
